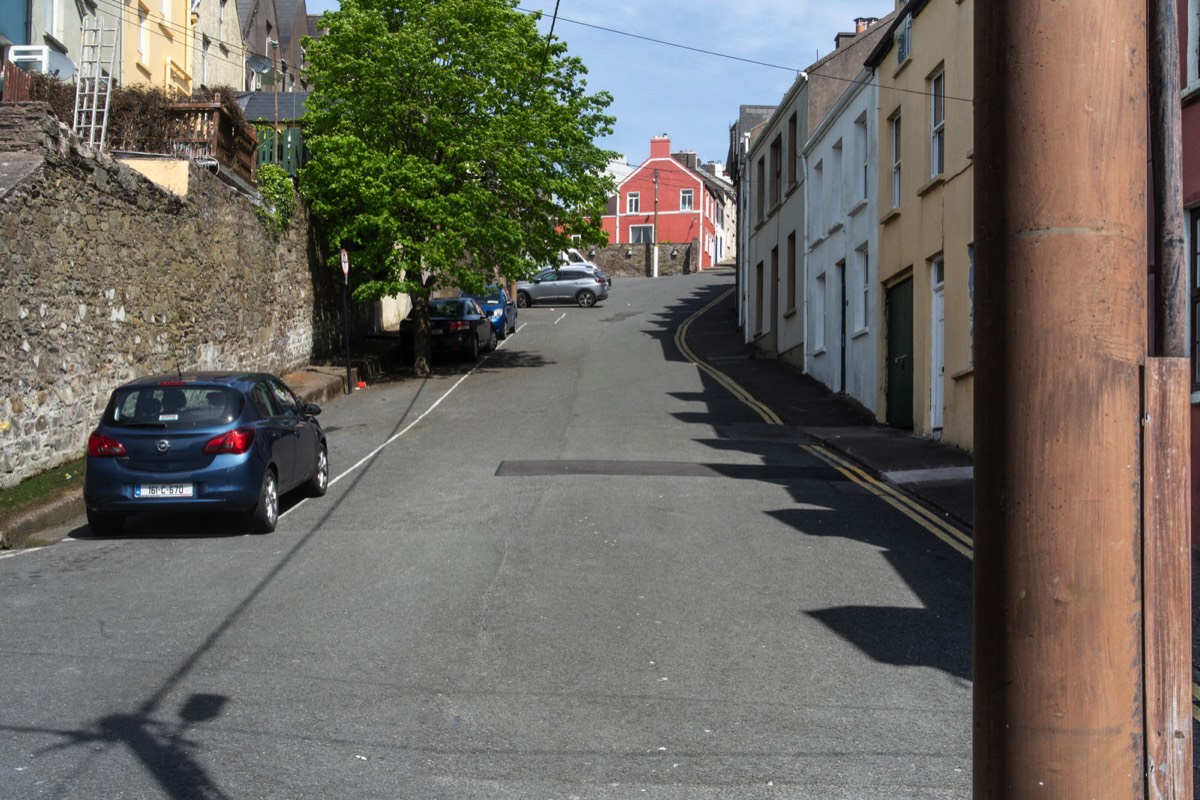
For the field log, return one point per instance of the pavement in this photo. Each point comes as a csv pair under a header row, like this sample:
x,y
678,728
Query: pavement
x,y
937,475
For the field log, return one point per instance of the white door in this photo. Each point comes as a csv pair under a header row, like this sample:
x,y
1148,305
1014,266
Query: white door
x,y
937,355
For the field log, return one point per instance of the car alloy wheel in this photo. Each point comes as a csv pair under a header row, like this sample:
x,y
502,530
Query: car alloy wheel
x,y
585,299
265,515
523,300
319,482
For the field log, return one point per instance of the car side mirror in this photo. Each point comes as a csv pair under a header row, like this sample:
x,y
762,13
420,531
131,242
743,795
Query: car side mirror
x,y
311,409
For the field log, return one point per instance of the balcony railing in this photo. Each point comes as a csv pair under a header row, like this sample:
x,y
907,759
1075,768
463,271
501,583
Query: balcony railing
x,y
208,131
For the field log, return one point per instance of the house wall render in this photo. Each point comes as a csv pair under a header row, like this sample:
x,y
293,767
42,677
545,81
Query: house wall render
x,y
104,276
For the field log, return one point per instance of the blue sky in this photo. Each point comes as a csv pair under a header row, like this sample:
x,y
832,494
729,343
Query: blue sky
x,y
690,96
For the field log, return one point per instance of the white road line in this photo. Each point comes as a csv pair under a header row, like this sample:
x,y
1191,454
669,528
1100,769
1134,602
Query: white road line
x,y
356,465
410,425
560,319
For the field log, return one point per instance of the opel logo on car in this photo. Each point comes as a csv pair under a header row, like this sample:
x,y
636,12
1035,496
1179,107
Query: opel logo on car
x,y
163,445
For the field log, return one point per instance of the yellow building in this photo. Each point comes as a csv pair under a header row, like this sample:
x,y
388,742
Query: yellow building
x,y
157,45
924,69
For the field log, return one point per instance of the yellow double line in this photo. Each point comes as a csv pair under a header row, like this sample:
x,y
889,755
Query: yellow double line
x,y
949,533
737,391
944,530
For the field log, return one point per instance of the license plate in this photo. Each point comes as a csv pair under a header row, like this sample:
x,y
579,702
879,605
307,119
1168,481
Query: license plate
x,y
163,490
436,332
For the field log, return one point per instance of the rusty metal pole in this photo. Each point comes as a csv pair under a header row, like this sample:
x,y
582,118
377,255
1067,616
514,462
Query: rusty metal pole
x,y
1060,266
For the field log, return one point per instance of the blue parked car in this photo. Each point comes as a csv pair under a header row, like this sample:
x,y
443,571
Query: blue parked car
x,y
203,442
500,308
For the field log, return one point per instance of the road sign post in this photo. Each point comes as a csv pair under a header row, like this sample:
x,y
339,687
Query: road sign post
x,y
346,317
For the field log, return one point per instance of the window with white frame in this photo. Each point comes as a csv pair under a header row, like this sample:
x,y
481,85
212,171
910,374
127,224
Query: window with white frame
x,y
166,10
143,38
790,266
54,18
787,301
777,170
835,184
641,234
685,199
221,22
760,176
818,197
633,203
937,124
792,147
204,45
862,158
819,315
904,40
895,126
862,303
1192,55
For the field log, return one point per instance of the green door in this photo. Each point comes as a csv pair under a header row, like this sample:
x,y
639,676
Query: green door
x,y
900,355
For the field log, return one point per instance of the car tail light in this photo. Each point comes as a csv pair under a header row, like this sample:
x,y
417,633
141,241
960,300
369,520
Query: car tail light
x,y
459,326
101,446
236,442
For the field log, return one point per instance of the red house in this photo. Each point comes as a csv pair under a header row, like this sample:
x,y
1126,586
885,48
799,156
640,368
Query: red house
x,y
669,199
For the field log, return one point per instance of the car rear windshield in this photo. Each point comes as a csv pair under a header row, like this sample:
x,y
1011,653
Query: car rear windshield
x,y
184,406
448,308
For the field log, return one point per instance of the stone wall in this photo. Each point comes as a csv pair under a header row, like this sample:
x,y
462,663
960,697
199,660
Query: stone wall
x,y
104,277
639,263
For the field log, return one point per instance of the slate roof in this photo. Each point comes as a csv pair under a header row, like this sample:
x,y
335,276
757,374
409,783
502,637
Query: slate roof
x,y
260,106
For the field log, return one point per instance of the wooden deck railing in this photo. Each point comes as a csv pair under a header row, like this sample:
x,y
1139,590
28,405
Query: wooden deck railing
x,y
17,84
207,130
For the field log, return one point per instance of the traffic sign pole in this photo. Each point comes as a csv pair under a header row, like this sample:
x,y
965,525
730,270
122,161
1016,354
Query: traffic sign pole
x,y
346,317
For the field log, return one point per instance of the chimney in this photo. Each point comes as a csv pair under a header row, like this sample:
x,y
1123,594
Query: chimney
x,y
841,39
660,147
861,24
688,158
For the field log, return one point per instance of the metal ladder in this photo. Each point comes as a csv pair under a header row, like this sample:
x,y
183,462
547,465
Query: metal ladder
x,y
95,82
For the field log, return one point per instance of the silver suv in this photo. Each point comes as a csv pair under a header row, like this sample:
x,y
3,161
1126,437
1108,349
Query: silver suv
x,y
565,285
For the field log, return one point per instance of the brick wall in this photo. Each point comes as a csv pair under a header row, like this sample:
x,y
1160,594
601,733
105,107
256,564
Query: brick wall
x,y
104,276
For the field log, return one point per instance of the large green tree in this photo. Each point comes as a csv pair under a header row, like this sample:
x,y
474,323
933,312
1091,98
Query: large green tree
x,y
452,146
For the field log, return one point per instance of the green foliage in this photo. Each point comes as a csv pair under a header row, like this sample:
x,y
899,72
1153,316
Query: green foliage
x,y
40,489
278,198
451,145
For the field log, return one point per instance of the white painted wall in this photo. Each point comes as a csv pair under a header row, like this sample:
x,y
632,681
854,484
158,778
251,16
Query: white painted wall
x,y
782,329
842,230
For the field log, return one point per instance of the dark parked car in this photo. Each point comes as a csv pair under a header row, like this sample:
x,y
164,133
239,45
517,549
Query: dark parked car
x,y
566,285
457,325
200,442
499,307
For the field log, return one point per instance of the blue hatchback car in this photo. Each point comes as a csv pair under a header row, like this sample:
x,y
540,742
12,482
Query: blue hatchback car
x,y
199,442
500,308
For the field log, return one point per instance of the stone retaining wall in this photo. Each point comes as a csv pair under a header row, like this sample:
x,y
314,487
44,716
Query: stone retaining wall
x,y
104,276
637,260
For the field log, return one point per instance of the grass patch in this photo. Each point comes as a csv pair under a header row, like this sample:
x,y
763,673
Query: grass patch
x,y
33,492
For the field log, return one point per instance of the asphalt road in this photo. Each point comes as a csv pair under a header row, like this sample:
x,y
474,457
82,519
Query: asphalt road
x,y
580,570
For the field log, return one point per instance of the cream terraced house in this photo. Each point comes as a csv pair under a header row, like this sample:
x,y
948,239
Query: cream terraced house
x,y
924,72
156,45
